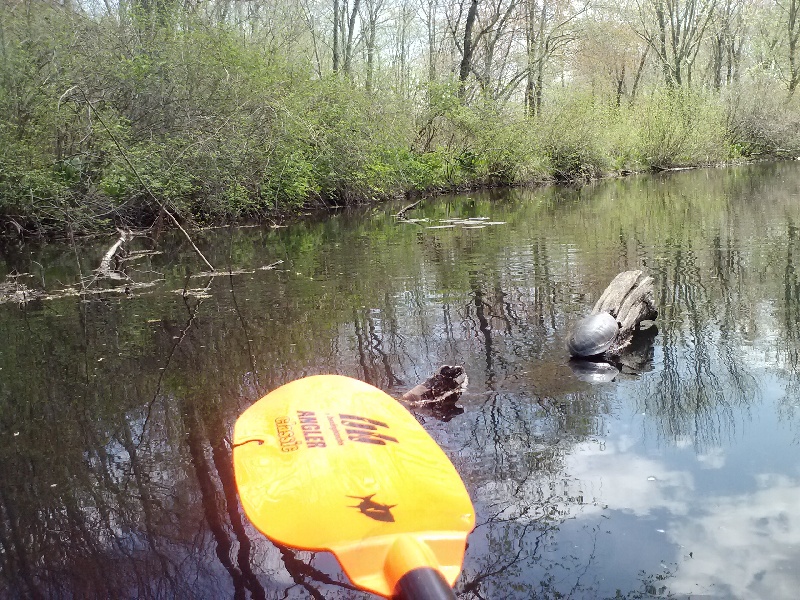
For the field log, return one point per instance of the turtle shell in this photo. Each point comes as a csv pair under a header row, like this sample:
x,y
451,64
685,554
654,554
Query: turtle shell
x,y
593,335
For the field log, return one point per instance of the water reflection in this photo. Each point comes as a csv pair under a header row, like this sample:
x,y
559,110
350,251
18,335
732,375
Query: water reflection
x,y
753,539
115,410
594,370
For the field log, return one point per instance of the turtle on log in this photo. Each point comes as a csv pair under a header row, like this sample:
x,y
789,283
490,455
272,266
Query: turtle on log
x,y
624,307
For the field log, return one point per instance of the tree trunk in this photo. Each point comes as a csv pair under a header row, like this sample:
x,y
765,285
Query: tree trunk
x,y
348,49
638,77
431,23
335,36
370,58
530,41
620,87
794,70
466,59
542,53
373,10
716,60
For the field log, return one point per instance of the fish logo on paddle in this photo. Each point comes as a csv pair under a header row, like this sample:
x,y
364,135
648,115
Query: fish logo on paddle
x,y
374,510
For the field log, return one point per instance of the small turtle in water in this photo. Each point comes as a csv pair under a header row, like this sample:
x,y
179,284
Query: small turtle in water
x,y
446,385
593,335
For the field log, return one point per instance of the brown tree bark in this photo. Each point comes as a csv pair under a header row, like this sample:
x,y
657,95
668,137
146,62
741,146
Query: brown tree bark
x,y
469,48
629,299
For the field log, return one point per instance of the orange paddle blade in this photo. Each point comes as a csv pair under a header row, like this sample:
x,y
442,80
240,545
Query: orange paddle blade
x,y
332,463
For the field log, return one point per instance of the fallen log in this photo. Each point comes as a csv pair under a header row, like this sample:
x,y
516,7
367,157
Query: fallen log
x,y
107,266
629,299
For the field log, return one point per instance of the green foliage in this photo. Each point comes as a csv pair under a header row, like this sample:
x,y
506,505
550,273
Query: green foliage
x,y
480,144
34,193
290,181
422,171
359,145
764,122
104,120
572,136
677,127
148,168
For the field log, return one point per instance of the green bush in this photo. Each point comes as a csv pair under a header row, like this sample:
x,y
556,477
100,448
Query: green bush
x,y
571,135
289,181
764,122
677,127
106,120
476,145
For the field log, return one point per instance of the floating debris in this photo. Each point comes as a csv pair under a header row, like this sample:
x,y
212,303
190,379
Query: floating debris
x,y
199,293
473,221
19,293
465,223
467,220
270,266
445,385
137,254
203,274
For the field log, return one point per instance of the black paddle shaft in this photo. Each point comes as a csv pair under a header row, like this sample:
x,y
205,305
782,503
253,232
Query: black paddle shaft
x,y
423,583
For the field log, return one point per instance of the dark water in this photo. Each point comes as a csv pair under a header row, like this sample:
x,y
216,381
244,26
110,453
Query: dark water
x,y
679,477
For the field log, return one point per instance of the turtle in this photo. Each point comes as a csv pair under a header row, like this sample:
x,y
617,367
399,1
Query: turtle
x,y
446,385
593,335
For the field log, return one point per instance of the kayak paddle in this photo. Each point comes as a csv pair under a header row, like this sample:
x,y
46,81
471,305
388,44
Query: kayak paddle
x,y
330,463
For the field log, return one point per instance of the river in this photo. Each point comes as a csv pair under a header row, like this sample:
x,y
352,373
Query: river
x,y
680,476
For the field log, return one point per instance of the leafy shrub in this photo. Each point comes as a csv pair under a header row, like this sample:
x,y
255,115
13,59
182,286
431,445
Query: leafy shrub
x,y
677,127
764,122
289,181
570,134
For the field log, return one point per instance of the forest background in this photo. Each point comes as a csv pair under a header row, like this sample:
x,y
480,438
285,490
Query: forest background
x,y
117,112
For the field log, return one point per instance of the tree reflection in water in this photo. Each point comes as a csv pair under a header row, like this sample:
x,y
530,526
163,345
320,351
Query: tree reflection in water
x,y
115,412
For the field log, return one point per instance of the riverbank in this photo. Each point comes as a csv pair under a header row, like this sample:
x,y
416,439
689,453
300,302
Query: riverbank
x,y
204,178
138,122
228,179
